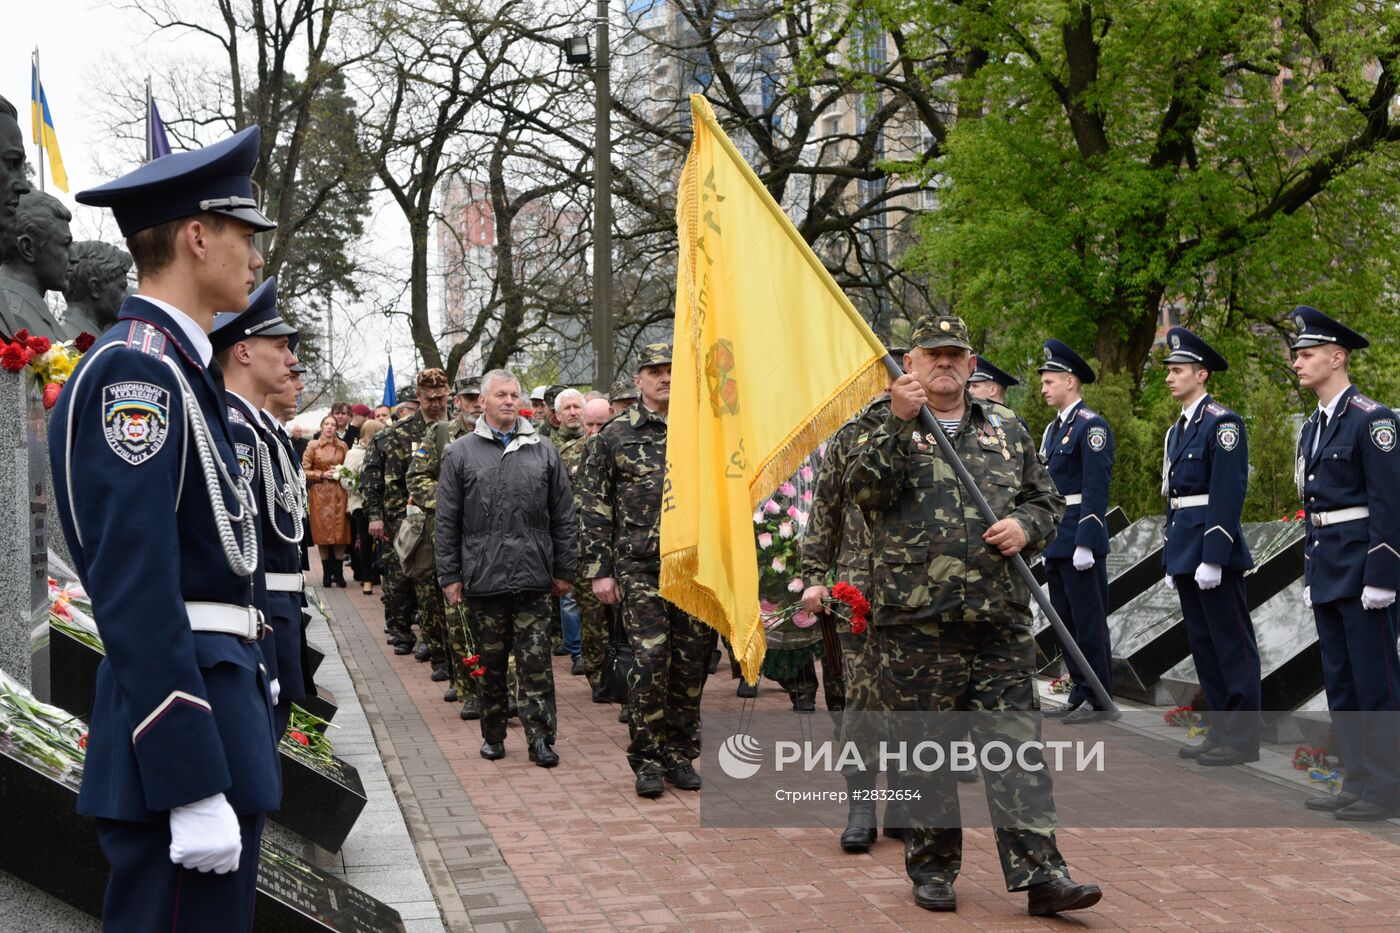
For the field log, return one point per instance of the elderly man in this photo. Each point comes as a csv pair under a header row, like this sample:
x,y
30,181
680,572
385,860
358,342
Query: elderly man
x,y
504,499
596,412
569,437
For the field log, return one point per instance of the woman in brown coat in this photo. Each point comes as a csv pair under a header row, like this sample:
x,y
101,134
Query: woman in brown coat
x,y
329,526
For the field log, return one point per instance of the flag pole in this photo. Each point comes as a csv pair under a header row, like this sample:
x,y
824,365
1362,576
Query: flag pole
x,y
39,127
935,430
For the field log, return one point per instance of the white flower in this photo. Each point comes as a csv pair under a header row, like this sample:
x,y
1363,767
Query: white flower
x,y
802,519
765,540
796,586
779,565
785,530
758,517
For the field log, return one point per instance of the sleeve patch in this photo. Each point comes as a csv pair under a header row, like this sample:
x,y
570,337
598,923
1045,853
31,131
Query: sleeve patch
x,y
135,419
1098,438
245,458
1383,434
1227,435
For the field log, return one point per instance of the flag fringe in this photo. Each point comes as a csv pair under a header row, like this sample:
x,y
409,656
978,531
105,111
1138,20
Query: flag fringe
x,y
852,396
678,570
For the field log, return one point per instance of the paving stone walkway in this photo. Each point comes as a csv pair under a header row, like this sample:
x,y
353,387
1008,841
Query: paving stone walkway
x,y
509,846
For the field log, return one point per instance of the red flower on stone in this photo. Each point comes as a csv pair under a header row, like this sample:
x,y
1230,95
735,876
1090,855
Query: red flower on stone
x,y
13,358
50,397
22,335
84,341
299,737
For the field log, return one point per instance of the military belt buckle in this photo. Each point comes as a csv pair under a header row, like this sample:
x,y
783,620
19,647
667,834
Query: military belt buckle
x,y
260,627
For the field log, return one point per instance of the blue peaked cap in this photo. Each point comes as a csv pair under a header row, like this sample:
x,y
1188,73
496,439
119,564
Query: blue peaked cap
x,y
1185,347
182,184
260,319
1315,329
986,372
1061,359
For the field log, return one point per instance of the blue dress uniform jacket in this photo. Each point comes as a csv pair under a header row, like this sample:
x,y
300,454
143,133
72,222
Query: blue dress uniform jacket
x,y
1211,457
179,716
1080,461
1356,464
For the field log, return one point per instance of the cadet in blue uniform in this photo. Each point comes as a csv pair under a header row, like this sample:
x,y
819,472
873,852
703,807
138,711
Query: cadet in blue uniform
x,y
1078,449
1205,471
253,349
989,382
181,762
1348,474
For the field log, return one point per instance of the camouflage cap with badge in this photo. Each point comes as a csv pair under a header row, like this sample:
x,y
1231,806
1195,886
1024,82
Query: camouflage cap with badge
x,y
655,354
941,330
467,385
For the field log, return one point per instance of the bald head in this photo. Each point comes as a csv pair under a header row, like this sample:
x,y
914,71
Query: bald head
x,y
596,412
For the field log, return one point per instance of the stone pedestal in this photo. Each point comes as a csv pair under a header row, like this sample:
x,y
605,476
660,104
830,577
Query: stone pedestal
x,y
23,523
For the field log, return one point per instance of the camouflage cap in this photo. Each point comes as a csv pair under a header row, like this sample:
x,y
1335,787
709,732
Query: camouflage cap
x,y
941,330
408,393
432,379
552,393
623,390
467,385
655,354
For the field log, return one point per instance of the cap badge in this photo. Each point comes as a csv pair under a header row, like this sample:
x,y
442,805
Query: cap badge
x,y
943,325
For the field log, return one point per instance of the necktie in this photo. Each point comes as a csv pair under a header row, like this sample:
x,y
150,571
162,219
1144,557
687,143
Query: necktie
x,y
1180,432
1049,444
1317,437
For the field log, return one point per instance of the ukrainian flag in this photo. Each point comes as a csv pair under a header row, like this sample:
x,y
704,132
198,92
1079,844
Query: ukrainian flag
x,y
44,133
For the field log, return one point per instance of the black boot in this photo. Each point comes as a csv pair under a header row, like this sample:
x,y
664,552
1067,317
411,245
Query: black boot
x,y
327,572
859,835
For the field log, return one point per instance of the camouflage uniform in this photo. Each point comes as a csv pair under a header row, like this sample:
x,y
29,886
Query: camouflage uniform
x,y
406,437
399,600
593,632
623,468
951,620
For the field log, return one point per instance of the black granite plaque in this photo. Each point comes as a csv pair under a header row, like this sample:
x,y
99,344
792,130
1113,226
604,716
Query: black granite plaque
x,y
314,657
322,704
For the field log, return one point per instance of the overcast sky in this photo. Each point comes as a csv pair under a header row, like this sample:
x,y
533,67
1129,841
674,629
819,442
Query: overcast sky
x,y
81,40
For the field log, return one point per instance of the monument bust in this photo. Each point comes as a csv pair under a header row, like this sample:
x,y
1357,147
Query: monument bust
x,y
35,262
96,286
13,184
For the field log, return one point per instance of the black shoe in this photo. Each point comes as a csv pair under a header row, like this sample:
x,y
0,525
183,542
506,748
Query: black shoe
x,y
1059,712
935,895
1365,811
1190,752
598,696
649,784
439,673
1087,714
1062,894
713,664
860,833
968,776
746,690
326,581
804,704
684,776
624,714
403,647
450,696
493,751
1225,755
1331,803
471,709
512,709
560,651
894,832
422,652
542,755
577,668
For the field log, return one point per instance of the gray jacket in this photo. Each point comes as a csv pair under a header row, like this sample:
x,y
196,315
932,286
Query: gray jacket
x,y
505,514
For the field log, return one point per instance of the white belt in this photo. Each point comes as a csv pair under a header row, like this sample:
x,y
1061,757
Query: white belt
x,y
285,582
1337,516
1074,498
244,621
1188,502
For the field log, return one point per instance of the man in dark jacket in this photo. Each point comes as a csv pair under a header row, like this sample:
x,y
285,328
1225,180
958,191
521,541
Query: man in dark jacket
x,y
506,537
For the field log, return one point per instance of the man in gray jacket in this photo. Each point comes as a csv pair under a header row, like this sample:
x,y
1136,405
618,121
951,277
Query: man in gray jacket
x,y
506,537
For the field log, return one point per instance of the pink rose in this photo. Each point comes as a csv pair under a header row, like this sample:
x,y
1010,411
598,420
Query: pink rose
x,y
806,473
779,565
788,489
796,586
807,497
785,530
765,540
802,519
792,511
771,507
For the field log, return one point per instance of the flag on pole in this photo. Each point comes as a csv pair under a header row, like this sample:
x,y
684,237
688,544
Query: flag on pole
x,y
770,358
157,144
390,396
44,133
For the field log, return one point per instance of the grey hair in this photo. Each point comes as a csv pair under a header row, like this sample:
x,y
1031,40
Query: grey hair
x,y
495,376
567,394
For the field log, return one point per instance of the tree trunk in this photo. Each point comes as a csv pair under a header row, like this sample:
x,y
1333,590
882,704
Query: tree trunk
x,y
418,291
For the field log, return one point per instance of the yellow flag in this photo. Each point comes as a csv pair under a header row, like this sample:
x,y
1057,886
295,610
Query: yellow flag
x,y
770,358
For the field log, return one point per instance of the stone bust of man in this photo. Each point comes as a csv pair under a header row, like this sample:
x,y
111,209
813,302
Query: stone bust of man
x,y
36,261
13,184
96,286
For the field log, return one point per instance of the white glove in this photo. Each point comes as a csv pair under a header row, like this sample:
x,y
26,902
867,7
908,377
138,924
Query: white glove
x,y
204,836
1170,581
1208,576
1307,596
1373,597
1083,558
275,688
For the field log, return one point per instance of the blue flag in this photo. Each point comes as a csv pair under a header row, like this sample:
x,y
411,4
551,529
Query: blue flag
x,y
156,143
390,397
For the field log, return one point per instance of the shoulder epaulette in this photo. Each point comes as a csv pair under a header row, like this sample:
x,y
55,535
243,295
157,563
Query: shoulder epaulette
x,y
1217,409
146,338
1364,403
235,416
1086,414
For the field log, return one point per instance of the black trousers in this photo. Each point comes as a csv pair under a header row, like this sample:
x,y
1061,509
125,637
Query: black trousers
x,y
361,547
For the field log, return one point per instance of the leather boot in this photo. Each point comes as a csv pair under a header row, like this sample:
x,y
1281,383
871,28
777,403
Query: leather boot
x,y
859,835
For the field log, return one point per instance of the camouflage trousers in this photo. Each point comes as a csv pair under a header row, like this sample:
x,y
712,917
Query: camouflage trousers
x,y
514,624
399,594
593,630
988,666
432,621
462,644
669,651
861,681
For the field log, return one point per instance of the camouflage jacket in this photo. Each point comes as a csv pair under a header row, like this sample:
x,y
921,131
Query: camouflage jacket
x,y
423,467
622,474
404,438
372,477
926,530
836,540
458,428
570,447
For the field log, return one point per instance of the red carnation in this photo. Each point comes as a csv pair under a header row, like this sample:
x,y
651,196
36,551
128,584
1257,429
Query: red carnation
x,y
299,737
469,661
479,672
12,358
527,413
39,344
82,742
22,336
84,341
858,625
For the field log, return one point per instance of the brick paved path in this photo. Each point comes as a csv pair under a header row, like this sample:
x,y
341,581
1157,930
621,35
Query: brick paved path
x,y
508,845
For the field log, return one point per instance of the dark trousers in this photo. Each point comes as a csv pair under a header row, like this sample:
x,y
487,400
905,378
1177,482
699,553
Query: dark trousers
x,y
1221,635
1361,672
1081,599
146,891
514,625
361,547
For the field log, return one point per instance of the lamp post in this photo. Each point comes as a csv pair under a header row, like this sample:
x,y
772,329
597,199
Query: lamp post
x,y
576,52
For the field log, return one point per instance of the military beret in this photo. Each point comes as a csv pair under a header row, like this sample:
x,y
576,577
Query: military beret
x,y
941,330
1316,329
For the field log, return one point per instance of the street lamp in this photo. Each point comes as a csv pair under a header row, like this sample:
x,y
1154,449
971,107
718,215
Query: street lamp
x,y
576,52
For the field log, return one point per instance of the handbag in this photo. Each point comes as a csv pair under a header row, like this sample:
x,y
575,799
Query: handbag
x,y
414,544
617,659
